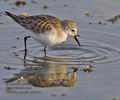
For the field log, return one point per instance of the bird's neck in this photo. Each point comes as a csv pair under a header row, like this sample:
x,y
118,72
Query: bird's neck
x,y
64,27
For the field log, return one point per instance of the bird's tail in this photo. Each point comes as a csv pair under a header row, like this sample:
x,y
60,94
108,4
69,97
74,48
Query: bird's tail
x,y
13,16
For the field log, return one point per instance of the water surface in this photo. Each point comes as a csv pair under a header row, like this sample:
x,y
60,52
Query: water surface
x,y
66,72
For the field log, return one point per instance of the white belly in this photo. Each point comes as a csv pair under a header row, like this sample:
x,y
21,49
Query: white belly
x,y
49,39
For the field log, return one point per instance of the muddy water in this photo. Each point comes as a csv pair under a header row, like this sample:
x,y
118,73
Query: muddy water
x,y
89,72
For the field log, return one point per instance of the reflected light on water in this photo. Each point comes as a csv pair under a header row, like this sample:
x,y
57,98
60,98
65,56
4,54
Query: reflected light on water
x,y
43,75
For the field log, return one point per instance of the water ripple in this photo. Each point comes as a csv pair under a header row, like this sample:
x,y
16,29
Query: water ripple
x,y
71,54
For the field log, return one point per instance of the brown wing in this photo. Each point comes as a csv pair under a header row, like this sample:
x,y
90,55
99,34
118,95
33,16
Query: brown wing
x,y
37,23
41,23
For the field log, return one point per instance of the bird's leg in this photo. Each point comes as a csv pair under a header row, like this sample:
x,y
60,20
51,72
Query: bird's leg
x,y
25,43
45,50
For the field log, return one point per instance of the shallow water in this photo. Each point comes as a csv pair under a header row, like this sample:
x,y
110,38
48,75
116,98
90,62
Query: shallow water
x,y
89,72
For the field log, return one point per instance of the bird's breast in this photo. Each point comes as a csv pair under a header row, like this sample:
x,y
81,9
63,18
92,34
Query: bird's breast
x,y
55,39
50,38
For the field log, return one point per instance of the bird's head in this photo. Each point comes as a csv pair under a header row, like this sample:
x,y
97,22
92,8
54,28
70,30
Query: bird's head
x,y
70,28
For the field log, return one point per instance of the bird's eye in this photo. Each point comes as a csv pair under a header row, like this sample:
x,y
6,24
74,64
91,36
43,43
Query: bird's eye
x,y
73,30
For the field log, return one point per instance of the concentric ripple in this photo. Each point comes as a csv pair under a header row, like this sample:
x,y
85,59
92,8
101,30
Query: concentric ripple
x,y
69,54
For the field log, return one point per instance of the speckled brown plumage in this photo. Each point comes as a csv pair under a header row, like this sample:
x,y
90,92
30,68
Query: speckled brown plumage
x,y
49,30
38,24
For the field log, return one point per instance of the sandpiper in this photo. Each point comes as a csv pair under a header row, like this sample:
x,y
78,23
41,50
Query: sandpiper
x,y
47,29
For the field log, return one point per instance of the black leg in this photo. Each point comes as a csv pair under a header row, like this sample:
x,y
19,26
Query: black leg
x,y
45,50
25,43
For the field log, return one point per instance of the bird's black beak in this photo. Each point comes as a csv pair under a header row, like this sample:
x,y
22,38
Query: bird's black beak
x,y
76,38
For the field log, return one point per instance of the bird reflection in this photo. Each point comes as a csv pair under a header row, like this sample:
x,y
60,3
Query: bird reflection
x,y
46,74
